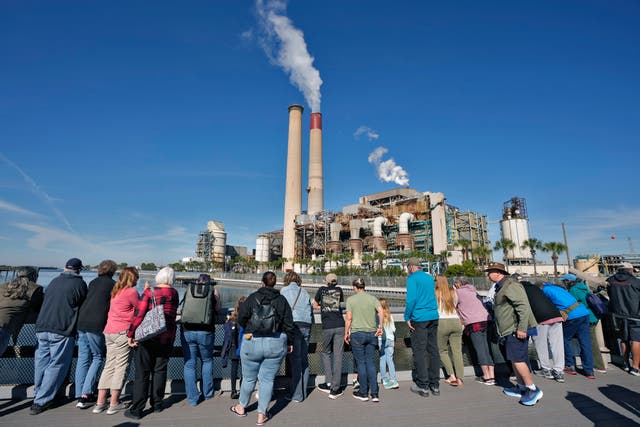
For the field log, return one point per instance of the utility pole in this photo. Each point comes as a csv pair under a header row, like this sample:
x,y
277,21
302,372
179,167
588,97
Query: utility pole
x,y
631,251
564,234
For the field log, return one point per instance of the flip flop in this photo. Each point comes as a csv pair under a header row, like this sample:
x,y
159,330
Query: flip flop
x,y
264,421
233,409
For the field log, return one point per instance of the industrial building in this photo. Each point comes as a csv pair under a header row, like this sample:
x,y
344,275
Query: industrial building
x,y
212,244
393,221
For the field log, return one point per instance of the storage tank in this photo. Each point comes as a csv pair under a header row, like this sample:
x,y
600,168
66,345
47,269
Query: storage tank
x,y
262,249
219,240
515,227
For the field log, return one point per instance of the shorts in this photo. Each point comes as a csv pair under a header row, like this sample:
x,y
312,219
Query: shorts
x,y
516,350
633,331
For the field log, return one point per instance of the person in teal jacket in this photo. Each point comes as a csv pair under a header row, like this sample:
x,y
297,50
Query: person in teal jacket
x,y
579,290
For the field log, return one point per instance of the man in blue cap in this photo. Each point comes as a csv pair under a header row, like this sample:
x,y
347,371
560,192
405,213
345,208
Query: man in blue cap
x,y
55,333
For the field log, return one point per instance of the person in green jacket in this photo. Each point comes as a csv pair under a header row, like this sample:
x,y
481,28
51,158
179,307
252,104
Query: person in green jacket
x,y
580,290
515,322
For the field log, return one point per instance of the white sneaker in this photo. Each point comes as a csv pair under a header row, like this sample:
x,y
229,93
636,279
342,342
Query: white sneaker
x,y
98,409
115,409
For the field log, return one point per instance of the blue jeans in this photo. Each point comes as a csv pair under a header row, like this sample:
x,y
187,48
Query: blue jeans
x,y
194,343
386,359
363,346
299,362
578,328
261,359
53,357
91,354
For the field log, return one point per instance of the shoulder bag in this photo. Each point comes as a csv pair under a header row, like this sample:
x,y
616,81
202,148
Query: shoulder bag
x,y
154,322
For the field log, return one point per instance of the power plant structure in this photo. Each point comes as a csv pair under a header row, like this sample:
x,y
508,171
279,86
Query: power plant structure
x,y
514,226
391,222
212,243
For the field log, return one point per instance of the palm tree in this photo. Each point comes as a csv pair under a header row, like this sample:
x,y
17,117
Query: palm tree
x,y
504,245
465,244
482,253
533,245
367,259
379,256
444,254
555,248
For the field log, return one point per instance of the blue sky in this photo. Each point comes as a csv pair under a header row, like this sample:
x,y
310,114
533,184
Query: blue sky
x,y
126,126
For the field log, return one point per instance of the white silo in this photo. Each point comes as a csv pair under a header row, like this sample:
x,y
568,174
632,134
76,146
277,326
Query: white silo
x,y
262,248
515,227
219,240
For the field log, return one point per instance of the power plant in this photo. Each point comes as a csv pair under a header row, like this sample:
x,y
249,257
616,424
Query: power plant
x,y
390,222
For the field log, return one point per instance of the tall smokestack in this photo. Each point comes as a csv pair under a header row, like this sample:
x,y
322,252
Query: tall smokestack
x,y
293,189
315,196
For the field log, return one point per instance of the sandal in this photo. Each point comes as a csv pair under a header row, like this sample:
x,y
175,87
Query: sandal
x,y
453,383
235,411
264,420
460,383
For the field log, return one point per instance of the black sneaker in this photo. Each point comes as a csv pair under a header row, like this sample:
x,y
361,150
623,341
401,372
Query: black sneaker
x,y
132,415
361,397
324,387
375,398
420,391
85,403
334,394
435,390
356,385
38,409
235,395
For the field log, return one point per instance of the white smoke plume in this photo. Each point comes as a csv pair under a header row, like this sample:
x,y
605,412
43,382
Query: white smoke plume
x,y
388,170
366,130
285,46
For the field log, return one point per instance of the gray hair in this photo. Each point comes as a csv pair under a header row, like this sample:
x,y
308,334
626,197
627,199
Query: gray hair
x,y
463,280
165,276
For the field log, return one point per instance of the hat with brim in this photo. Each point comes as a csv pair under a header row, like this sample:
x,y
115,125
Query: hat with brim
x,y
496,266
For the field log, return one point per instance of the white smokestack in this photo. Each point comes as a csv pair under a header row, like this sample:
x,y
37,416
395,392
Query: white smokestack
x,y
293,186
285,46
377,226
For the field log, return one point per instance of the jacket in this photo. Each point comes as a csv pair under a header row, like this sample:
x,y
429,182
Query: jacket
x,y
168,297
302,311
62,300
421,304
624,294
95,308
563,300
512,310
281,307
541,306
580,291
232,342
470,308
16,312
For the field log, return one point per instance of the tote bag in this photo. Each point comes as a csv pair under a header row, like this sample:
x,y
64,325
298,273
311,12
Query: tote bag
x,y
154,322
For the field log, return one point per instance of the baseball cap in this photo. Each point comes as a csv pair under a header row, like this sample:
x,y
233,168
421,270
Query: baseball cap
x,y
331,277
73,264
569,277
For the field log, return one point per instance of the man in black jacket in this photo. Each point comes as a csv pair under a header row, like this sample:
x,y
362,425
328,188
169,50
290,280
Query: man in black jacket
x,y
92,347
624,304
55,332
549,333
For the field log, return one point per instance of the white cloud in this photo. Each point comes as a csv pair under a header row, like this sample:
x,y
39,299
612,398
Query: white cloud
x,y
17,209
367,131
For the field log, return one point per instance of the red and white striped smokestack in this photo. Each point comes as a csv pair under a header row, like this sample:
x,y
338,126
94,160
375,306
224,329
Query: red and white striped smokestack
x,y
293,189
315,193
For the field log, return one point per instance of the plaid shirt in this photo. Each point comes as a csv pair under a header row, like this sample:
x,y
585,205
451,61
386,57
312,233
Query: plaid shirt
x,y
165,296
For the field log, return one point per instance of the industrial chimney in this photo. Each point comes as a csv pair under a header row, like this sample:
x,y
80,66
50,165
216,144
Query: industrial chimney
x,y
314,190
293,189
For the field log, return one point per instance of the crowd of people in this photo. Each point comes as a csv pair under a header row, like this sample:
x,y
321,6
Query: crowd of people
x,y
272,325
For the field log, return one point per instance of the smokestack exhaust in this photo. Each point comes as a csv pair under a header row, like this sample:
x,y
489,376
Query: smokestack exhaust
x,y
293,188
315,199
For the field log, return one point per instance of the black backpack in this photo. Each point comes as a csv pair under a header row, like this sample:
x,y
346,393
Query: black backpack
x,y
199,305
263,319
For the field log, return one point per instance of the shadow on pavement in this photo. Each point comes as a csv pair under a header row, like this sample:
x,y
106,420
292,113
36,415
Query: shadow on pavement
x,y
628,399
597,413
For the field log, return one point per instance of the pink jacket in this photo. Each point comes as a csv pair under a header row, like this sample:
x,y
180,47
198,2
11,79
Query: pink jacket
x,y
470,308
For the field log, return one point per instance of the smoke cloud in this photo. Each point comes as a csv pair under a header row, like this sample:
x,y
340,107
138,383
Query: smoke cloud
x,y
388,170
285,46
367,131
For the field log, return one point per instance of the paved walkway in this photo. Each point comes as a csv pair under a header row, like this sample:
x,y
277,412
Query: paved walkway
x,y
613,399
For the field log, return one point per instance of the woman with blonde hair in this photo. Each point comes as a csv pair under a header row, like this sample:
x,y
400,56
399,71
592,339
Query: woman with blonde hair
x,y
124,299
449,332
386,343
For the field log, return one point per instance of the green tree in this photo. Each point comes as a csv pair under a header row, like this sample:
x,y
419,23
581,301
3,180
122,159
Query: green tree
x,y
556,248
465,245
482,253
504,245
467,268
148,266
444,255
177,266
122,265
367,259
533,245
379,257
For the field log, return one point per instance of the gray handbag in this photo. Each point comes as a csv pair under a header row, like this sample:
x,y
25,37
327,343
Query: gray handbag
x,y
154,322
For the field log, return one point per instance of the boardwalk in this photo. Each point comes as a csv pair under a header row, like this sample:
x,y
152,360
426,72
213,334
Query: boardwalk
x,y
611,400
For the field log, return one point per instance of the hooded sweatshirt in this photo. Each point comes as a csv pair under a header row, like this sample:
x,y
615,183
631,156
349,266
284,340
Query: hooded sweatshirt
x,y
624,294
